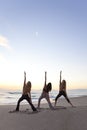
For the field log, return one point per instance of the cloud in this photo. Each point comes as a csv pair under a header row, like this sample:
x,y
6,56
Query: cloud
x,y
4,42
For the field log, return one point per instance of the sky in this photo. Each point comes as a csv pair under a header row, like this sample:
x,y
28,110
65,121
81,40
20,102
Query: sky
x,y
43,35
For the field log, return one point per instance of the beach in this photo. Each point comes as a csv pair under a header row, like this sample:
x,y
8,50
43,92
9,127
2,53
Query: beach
x,y
64,117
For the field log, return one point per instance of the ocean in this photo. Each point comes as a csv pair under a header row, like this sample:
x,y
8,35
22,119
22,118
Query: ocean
x,y
11,97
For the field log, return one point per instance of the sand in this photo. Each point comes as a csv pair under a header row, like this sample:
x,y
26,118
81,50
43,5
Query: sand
x,y
64,117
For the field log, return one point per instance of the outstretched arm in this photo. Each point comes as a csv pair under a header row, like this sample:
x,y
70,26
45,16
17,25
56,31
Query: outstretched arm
x,y
45,79
24,79
60,78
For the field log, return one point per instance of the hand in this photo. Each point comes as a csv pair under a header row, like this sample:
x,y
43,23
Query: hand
x,y
45,75
45,72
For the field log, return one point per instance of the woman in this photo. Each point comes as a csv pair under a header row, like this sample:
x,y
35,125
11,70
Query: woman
x,y
62,91
26,94
45,93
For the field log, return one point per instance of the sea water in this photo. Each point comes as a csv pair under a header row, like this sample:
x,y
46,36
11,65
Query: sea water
x,y
11,97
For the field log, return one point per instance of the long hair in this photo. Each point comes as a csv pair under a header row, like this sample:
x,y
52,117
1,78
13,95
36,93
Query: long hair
x,y
29,84
63,83
49,87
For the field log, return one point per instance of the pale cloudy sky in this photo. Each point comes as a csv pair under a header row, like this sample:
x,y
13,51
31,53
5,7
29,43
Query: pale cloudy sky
x,y
39,35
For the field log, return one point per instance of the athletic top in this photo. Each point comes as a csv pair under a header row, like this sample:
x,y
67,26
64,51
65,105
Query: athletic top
x,y
47,88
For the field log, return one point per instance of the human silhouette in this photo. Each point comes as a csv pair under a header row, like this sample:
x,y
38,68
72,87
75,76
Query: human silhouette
x,y
62,90
45,92
26,94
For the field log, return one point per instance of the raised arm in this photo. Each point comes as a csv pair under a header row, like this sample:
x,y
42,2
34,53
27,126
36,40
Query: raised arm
x,y
60,78
45,79
24,79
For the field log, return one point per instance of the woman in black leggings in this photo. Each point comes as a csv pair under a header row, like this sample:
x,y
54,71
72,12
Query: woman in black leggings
x,y
62,91
26,94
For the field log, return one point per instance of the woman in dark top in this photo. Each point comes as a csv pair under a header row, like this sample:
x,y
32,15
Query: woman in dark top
x,y
62,91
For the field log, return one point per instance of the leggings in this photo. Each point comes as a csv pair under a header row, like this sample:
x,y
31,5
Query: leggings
x,y
62,93
26,97
46,96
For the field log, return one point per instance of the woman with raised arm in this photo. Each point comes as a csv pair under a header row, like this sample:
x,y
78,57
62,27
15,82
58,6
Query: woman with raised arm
x,y
45,93
62,90
26,94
